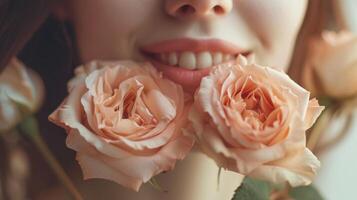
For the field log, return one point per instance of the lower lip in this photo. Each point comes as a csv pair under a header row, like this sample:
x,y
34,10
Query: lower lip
x,y
188,79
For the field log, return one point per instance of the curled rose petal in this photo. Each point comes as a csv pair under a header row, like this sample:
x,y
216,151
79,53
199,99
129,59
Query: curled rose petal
x,y
252,120
124,121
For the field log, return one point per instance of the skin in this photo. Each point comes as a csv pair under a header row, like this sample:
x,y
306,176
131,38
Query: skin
x,y
118,29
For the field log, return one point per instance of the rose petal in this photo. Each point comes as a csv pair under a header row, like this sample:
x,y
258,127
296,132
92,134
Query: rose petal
x,y
297,168
138,168
161,107
313,112
93,168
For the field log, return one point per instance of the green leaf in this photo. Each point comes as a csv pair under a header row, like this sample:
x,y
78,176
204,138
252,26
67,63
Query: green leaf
x,y
305,193
252,189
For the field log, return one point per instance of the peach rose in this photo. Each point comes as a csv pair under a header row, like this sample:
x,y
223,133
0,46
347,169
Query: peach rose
x,y
252,120
124,121
21,93
331,67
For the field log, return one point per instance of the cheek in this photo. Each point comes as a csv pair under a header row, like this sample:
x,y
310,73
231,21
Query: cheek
x,y
273,19
104,28
276,24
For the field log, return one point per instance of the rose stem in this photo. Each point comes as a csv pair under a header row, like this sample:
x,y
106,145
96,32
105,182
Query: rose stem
x,y
155,184
219,177
30,127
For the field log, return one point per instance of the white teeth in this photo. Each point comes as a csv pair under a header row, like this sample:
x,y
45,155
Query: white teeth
x,y
187,60
217,58
172,59
204,60
227,57
191,60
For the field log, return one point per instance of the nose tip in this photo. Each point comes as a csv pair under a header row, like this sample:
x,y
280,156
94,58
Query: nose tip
x,y
198,8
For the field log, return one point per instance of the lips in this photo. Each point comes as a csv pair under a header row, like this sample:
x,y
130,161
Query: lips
x,y
187,61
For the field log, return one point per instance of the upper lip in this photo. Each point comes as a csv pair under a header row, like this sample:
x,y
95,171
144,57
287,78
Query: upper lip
x,y
194,45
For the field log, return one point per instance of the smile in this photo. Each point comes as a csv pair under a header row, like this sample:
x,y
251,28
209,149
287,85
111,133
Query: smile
x,y
192,60
187,61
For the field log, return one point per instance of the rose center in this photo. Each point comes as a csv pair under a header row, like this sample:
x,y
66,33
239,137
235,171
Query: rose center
x,y
251,101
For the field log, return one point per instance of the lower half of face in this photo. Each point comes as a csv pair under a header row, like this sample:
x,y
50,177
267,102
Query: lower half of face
x,y
185,38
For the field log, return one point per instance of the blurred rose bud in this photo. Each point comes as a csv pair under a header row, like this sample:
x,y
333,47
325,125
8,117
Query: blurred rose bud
x,y
331,67
21,92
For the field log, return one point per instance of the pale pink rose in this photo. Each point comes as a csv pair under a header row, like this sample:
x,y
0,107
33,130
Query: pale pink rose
x,y
21,93
331,66
252,120
124,121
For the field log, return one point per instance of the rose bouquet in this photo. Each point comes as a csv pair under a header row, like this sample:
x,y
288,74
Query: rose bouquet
x,y
128,123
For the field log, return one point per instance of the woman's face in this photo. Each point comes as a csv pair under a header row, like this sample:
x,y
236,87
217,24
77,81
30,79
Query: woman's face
x,y
184,38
